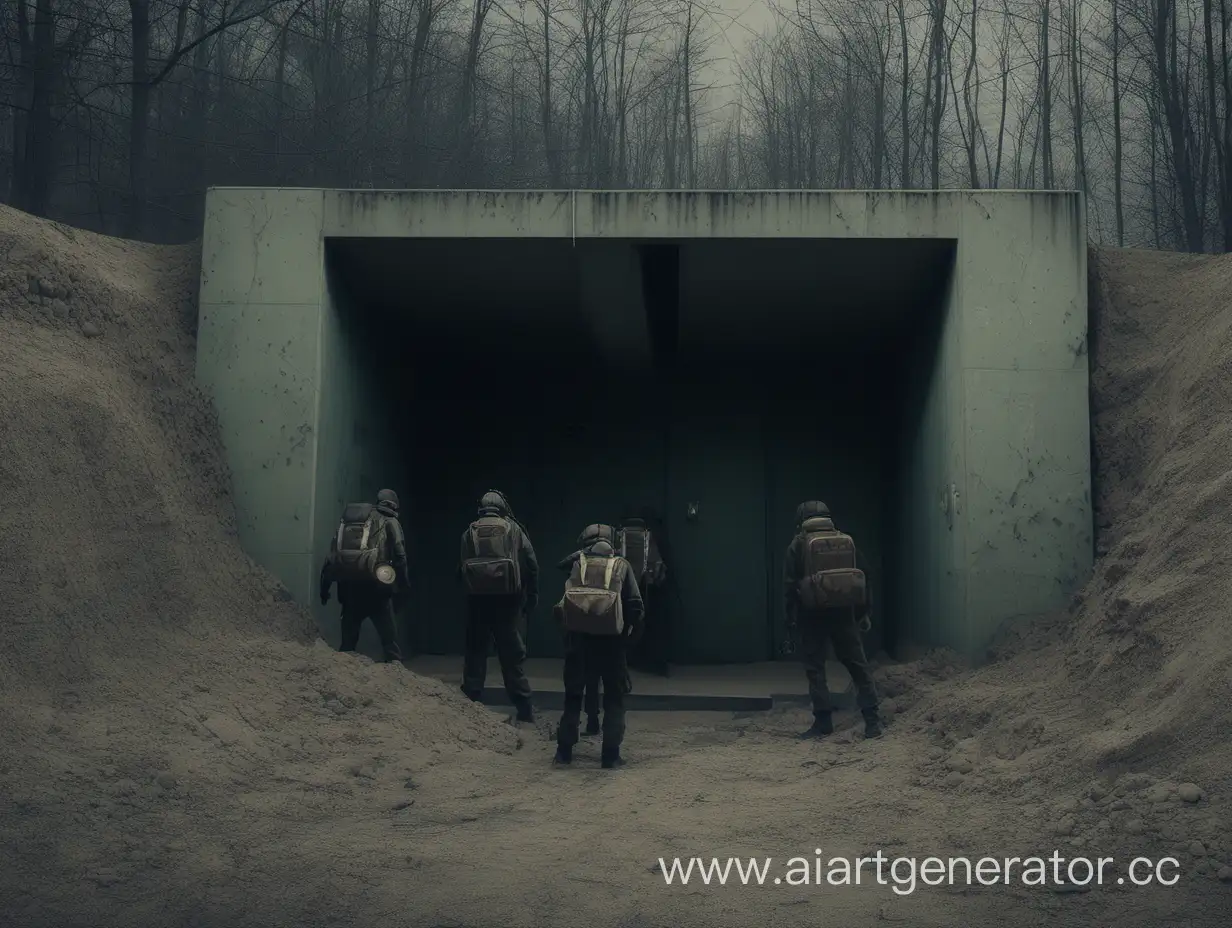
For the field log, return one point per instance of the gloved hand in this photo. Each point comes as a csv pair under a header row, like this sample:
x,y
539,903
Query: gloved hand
x,y
324,598
634,633
865,623
532,602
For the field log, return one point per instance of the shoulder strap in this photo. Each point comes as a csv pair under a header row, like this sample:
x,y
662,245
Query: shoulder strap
x,y
607,574
582,569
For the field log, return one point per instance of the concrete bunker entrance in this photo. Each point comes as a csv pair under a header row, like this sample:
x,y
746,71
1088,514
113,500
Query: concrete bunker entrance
x,y
733,377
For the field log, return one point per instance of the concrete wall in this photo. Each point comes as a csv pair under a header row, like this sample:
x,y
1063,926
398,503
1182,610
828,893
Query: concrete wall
x,y
1005,433
259,357
1021,305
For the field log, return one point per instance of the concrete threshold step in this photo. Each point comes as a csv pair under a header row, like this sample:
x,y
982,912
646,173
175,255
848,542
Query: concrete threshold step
x,y
756,687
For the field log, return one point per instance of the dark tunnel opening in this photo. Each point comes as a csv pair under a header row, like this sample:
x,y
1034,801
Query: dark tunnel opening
x,y
739,377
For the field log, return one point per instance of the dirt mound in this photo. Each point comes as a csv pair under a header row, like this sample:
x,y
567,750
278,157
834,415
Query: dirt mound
x,y
145,655
1137,675
1151,631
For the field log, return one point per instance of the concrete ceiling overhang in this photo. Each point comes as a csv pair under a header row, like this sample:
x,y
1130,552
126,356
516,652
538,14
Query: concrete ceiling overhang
x,y
519,295
751,299
766,298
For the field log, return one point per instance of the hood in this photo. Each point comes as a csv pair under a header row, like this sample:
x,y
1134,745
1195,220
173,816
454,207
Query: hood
x,y
493,502
387,503
813,507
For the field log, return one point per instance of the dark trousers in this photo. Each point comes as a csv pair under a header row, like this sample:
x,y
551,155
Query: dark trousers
x,y
593,683
379,608
604,656
840,627
488,619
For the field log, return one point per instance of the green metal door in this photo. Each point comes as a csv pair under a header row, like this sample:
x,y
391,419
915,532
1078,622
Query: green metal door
x,y
716,463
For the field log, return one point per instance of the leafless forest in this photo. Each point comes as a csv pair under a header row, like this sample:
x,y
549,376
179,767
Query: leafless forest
x,y
117,115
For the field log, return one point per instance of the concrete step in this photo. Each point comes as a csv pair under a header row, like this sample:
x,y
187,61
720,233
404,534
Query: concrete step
x,y
688,688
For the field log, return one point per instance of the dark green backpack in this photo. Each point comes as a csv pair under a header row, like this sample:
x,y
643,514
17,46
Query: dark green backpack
x,y
494,567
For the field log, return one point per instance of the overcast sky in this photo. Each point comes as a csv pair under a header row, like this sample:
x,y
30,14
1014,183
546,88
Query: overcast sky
x,y
734,23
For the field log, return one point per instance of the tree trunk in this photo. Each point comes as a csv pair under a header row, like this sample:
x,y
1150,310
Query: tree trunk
x,y
1176,117
371,48
411,167
1076,108
1225,128
687,80
1153,176
1117,145
198,107
40,126
905,98
464,107
280,97
550,149
1046,94
972,106
1005,97
938,95
20,192
139,116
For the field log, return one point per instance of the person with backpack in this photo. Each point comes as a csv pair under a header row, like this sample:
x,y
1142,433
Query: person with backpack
x,y
637,543
589,536
826,596
367,560
500,572
600,613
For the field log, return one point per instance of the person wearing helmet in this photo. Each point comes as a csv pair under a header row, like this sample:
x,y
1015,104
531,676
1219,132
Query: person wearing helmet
x,y
640,540
592,533
361,595
501,575
601,591
826,597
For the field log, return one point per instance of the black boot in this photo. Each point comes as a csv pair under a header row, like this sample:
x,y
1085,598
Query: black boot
x,y
564,754
592,725
525,712
611,760
872,724
822,725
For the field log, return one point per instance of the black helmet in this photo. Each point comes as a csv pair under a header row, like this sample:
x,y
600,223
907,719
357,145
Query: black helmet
x,y
810,509
389,498
494,501
598,531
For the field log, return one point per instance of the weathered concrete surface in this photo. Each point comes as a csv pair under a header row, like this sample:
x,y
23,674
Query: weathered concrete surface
x,y
998,508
